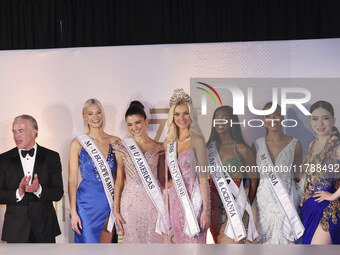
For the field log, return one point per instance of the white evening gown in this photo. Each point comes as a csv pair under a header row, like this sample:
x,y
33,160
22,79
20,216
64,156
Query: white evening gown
x,y
270,215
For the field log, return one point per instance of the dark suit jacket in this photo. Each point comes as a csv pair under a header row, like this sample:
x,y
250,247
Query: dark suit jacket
x,y
32,215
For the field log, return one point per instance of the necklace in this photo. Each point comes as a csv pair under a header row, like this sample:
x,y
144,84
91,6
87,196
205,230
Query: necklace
x,y
185,137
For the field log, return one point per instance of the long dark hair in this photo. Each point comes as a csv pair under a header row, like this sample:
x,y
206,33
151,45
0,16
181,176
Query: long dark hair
x,y
235,130
327,106
269,104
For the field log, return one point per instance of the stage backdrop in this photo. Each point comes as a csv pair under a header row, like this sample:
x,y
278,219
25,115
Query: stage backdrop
x,y
52,85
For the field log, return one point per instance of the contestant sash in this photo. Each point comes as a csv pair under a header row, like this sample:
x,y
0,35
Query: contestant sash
x,y
223,182
292,225
151,186
191,227
104,172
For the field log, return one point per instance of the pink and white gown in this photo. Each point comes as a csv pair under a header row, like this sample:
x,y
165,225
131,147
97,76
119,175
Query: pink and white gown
x,y
186,165
136,207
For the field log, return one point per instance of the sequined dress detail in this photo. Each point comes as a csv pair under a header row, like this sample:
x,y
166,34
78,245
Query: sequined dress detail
x,y
219,217
92,205
325,213
270,215
186,161
136,207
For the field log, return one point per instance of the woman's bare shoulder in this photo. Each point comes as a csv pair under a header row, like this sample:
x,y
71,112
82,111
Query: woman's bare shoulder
x,y
75,143
197,140
114,139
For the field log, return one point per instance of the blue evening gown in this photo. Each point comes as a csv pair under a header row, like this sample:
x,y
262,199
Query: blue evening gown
x,y
92,205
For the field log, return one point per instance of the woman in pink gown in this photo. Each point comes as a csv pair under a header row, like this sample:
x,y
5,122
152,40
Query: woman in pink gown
x,y
184,131
134,211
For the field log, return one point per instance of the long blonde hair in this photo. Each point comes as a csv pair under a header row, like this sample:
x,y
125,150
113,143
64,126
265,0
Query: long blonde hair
x,y
93,101
173,129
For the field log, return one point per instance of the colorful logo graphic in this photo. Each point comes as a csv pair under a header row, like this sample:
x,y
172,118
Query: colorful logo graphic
x,y
209,93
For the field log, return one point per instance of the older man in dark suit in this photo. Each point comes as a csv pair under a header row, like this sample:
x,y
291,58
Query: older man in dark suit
x,y
30,180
